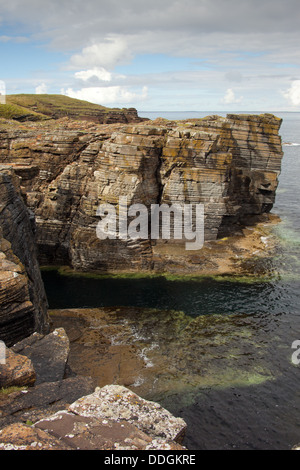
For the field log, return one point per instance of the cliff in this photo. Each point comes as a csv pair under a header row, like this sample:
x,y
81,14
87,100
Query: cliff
x,y
23,304
230,165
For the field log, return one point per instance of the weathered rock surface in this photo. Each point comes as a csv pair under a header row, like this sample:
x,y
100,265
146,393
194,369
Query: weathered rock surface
x,y
17,370
23,303
115,402
86,426
48,354
22,437
40,401
231,165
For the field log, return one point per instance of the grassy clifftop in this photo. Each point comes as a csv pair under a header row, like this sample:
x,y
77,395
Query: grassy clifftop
x,y
30,107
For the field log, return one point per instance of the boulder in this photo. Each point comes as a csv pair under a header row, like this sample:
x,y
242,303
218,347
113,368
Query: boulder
x,y
117,403
48,353
111,418
17,371
88,433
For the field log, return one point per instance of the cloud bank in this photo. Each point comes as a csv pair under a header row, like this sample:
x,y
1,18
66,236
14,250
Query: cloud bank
x,y
106,95
254,44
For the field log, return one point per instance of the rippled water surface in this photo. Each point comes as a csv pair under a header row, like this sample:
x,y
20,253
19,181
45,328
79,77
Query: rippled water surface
x,y
218,352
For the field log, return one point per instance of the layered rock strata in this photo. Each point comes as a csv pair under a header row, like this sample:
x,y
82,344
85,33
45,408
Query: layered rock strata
x,y
23,304
231,165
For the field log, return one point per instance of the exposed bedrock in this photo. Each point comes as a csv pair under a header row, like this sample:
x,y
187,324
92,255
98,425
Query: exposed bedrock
x,y
231,165
23,304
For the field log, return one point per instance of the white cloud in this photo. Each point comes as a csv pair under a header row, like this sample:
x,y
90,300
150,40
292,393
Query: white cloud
x,y
293,93
100,73
252,47
106,95
102,55
41,89
230,97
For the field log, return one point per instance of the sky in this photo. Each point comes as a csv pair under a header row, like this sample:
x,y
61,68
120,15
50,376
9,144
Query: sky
x,y
171,55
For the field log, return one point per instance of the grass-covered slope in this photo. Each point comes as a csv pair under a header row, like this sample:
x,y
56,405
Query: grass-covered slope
x,y
30,107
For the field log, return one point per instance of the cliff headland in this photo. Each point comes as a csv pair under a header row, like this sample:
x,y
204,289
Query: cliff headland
x,y
68,168
60,160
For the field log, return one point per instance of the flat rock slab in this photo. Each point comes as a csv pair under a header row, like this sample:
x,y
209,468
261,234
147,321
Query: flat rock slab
x,y
67,431
93,434
117,403
48,353
18,436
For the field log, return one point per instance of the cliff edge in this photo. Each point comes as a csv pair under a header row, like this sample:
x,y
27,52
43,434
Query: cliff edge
x,y
230,165
23,303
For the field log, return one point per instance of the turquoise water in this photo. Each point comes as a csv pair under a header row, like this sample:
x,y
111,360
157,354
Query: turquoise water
x,y
222,349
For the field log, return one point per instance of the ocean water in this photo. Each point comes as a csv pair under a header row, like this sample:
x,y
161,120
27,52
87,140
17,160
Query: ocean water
x,y
221,351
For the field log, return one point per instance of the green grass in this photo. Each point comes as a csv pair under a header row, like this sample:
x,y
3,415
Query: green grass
x,y
9,390
19,113
52,106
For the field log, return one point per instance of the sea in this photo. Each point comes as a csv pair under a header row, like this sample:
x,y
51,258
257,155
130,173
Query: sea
x,y
228,350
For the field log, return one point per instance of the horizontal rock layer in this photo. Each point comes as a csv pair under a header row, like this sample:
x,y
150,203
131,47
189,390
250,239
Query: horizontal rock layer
x,y
231,165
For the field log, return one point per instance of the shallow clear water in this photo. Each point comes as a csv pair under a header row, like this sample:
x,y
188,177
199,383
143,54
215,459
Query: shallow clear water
x,y
220,350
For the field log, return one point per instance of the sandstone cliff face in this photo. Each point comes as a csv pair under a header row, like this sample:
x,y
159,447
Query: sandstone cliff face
x,y
23,305
231,165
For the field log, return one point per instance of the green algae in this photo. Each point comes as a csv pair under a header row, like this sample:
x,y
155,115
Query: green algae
x,y
246,278
183,355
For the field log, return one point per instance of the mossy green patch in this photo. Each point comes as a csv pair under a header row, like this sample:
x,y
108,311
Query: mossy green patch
x,y
249,279
9,390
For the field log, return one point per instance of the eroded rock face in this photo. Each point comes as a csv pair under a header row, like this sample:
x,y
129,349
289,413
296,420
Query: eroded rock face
x,y
23,304
231,165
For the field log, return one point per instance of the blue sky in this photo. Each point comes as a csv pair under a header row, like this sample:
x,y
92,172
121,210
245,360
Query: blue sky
x,y
197,55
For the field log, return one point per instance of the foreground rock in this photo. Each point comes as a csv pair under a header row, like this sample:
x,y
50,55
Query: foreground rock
x,y
48,354
67,412
111,418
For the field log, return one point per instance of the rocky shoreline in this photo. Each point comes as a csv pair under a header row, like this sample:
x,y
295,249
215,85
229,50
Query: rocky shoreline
x,y
53,176
53,409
